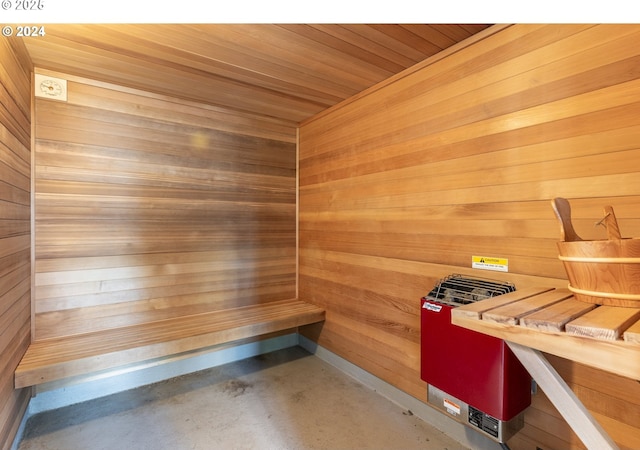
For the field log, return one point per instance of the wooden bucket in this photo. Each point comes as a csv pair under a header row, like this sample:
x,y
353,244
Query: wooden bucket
x,y
604,272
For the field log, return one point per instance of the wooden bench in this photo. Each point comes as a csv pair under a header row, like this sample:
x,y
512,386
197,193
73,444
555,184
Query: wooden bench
x,y
67,357
553,321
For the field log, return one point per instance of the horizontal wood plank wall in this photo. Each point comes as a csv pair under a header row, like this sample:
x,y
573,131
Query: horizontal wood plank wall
x,y
15,229
148,207
402,186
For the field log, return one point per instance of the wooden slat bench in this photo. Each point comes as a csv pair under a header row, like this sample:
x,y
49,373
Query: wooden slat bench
x,y
553,321
61,358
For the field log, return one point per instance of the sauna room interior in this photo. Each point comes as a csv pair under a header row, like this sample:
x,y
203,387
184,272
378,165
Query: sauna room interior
x,y
169,190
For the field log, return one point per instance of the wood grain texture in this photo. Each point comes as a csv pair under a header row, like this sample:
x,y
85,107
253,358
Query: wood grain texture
x,y
556,316
150,208
71,356
632,334
15,229
604,322
602,327
284,71
513,312
484,309
402,186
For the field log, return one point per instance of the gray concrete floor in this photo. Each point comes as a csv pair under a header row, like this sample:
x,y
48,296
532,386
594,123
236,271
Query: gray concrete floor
x,y
288,399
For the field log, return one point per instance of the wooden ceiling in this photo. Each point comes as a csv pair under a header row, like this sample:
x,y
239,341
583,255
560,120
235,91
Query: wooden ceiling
x,y
286,71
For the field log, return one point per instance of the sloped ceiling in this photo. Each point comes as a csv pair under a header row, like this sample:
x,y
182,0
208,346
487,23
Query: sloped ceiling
x,y
285,71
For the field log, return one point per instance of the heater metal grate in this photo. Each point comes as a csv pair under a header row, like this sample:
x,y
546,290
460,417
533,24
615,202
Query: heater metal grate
x,y
459,290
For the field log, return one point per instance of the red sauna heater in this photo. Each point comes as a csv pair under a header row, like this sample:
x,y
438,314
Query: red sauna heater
x,y
472,377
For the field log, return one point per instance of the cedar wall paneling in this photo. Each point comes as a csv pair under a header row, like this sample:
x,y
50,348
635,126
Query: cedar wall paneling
x,y
15,229
461,157
149,207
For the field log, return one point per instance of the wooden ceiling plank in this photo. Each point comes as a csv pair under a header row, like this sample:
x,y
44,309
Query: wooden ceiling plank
x,y
473,28
148,50
283,71
325,35
455,32
207,52
406,42
433,34
351,34
302,53
162,80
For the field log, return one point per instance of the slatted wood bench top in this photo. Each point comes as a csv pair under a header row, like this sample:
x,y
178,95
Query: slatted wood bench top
x,y
553,321
60,358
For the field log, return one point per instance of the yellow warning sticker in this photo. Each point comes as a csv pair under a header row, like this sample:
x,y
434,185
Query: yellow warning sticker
x,y
490,263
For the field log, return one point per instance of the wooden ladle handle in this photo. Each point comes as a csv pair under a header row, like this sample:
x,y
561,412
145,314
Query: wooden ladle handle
x,y
562,208
610,221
